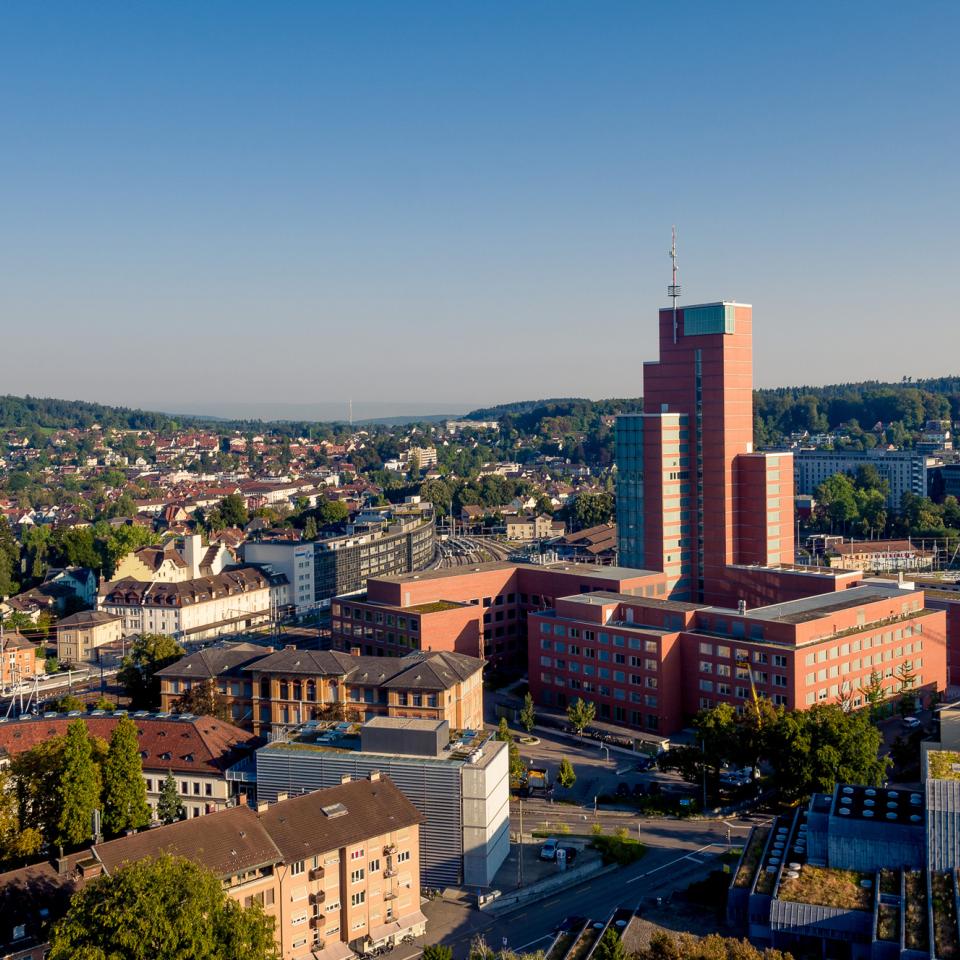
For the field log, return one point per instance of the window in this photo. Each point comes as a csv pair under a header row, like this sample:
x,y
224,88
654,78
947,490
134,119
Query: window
x,y
357,875
357,854
357,898
297,868
403,856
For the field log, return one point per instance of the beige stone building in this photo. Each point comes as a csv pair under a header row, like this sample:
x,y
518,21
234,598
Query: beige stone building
x,y
338,870
80,635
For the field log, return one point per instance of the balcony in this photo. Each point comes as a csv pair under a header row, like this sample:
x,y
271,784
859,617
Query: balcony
x,y
390,871
318,897
390,895
317,873
389,848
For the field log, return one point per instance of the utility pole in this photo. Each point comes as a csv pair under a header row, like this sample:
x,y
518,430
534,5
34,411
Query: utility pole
x,y
520,857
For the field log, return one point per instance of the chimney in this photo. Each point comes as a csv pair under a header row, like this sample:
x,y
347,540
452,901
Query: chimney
x,y
374,776
62,866
281,796
193,554
262,806
241,799
345,778
354,651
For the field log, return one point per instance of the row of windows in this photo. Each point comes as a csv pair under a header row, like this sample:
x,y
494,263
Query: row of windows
x,y
574,633
864,643
855,665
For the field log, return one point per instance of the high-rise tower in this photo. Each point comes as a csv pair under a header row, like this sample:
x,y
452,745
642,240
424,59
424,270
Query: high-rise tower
x,y
692,497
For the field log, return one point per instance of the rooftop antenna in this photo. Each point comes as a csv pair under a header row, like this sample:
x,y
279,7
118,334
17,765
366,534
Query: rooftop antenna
x,y
673,291
350,410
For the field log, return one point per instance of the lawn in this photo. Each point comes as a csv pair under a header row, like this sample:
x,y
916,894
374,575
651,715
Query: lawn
x,y
915,912
751,858
942,764
944,916
888,923
828,888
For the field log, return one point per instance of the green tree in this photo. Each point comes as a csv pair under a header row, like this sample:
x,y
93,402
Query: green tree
x,y
66,704
170,807
592,509
159,908
310,529
17,840
566,775
231,511
517,767
150,652
78,789
581,714
874,693
610,946
9,560
528,714
124,791
503,731
203,699
813,749
331,511
437,951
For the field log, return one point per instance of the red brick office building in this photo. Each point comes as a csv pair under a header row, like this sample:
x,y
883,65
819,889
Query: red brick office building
x,y
650,664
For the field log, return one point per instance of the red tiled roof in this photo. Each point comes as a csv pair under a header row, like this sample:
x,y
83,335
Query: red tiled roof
x,y
210,744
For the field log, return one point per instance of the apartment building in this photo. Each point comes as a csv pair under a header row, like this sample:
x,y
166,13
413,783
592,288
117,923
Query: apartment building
x,y
460,783
19,659
289,687
338,870
382,542
205,755
650,664
479,611
80,635
172,564
195,609
906,471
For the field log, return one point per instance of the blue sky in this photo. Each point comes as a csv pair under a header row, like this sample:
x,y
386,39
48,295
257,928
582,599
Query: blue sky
x,y
449,204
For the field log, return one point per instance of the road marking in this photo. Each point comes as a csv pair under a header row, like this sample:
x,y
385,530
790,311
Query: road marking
x,y
546,936
686,856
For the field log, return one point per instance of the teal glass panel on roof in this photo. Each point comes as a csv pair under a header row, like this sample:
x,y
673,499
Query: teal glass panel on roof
x,y
713,318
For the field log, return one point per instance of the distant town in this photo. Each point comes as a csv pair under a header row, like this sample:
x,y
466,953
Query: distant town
x,y
453,687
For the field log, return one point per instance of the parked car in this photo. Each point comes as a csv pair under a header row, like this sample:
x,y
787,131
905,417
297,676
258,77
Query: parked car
x,y
912,723
548,850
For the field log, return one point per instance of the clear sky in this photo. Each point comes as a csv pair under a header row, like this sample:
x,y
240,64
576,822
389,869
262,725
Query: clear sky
x,y
457,203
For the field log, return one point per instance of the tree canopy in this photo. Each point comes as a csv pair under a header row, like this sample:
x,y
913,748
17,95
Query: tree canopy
x,y
157,909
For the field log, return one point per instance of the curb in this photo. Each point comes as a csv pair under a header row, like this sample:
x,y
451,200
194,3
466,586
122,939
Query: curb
x,y
493,911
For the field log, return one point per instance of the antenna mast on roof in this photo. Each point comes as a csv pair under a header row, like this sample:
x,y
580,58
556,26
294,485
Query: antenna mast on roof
x,y
673,290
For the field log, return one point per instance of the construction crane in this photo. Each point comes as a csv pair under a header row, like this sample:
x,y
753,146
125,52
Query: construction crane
x,y
745,665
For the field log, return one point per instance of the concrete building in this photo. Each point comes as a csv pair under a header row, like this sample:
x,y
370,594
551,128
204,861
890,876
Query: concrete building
x,y
392,540
864,872
879,556
529,528
80,635
275,690
693,498
172,564
480,611
206,756
460,786
906,471
229,602
337,869
650,664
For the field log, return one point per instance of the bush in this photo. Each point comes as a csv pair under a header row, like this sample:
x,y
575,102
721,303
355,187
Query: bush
x,y
619,850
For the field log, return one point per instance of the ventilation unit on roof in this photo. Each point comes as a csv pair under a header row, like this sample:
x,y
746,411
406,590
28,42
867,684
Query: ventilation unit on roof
x,y
334,810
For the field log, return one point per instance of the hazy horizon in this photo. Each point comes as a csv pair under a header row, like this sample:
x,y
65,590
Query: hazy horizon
x,y
292,204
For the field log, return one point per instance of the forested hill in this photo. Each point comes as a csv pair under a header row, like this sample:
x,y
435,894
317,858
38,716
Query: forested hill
x,y
903,408
46,413
569,415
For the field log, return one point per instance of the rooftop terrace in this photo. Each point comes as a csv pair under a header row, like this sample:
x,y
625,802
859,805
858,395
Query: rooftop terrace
x,y
943,765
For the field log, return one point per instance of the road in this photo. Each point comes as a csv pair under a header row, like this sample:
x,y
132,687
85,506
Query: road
x,y
678,852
